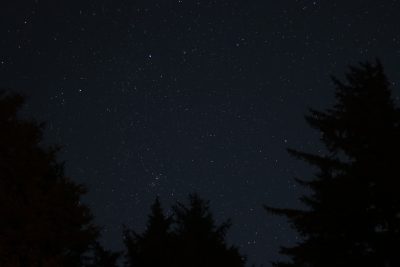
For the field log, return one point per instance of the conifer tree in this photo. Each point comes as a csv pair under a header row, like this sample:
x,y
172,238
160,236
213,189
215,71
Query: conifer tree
x,y
190,238
42,221
200,241
153,247
353,214
102,257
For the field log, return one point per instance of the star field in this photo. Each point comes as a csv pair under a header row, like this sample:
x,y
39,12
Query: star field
x,y
171,97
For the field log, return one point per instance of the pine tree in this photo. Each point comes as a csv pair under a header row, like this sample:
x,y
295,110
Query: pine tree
x,y
102,257
190,238
353,215
153,247
42,221
199,241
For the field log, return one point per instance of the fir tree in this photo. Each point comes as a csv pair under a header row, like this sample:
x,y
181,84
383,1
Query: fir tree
x,y
190,238
102,257
200,242
43,222
153,247
353,215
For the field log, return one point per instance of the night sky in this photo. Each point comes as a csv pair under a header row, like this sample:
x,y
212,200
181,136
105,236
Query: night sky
x,y
171,97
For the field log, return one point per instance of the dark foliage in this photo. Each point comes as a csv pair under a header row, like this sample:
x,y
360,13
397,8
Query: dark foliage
x,y
199,241
154,246
190,238
43,222
354,209
102,257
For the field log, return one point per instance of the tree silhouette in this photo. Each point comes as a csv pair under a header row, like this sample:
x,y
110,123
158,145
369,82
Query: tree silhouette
x,y
43,222
191,239
153,247
199,241
102,257
353,215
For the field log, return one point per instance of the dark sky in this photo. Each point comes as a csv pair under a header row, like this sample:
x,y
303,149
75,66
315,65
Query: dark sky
x,y
171,97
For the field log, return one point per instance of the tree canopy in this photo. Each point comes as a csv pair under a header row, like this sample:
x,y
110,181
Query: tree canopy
x,y
353,215
190,237
43,222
